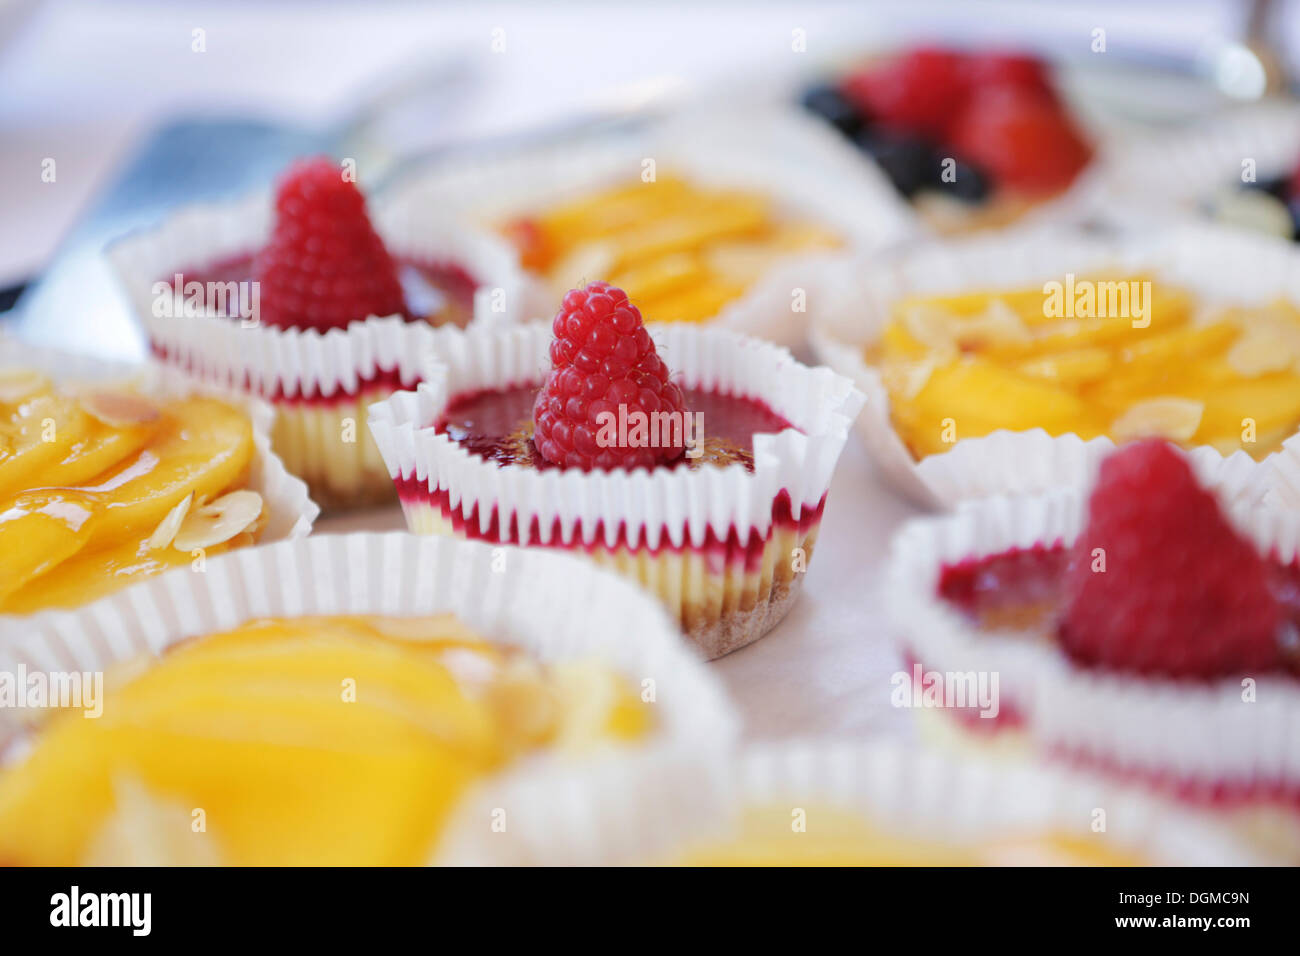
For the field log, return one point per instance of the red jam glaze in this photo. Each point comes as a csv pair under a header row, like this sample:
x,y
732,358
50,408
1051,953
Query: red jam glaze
x,y
1025,584
435,291
496,424
489,423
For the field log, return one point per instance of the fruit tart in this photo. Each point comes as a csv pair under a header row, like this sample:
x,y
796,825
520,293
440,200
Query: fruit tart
x,y
313,305
695,461
292,718
973,140
843,804
1012,365
105,483
731,218
1148,633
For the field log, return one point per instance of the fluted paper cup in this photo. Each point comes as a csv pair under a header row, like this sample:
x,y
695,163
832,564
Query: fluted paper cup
x,y
649,811
551,606
318,382
722,546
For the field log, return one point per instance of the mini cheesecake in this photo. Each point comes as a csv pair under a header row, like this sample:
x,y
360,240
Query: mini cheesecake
x,y
721,532
1145,634
303,303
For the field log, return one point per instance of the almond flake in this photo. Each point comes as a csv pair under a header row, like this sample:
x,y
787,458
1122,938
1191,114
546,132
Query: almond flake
x,y
1259,352
166,531
1174,418
18,383
930,326
219,521
120,409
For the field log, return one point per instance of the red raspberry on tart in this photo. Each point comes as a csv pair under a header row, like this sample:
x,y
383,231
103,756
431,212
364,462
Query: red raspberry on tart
x,y
1158,583
1180,593
973,140
324,266
1022,139
605,369
919,92
315,303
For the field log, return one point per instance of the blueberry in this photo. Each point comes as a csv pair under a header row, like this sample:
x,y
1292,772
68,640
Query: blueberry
x,y
1273,185
968,184
1294,207
910,163
829,103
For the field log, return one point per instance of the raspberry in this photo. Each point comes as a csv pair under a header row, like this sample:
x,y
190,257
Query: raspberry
x,y
1022,139
1293,187
1008,69
603,358
1182,595
324,266
918,93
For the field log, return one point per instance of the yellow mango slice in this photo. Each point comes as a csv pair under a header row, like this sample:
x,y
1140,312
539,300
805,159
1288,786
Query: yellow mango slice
x,y
86,478
695,304
42,432
87,575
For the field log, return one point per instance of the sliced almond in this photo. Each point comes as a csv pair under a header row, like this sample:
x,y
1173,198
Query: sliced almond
x,y
1174,418
930,326
1258,353
907,379
120,409
18,383
166,531
999,324
218,521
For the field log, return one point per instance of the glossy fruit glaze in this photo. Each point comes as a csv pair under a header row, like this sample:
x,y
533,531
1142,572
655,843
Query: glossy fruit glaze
x,y
498,425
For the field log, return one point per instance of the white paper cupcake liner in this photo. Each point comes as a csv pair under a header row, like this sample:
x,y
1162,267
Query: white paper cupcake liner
x,y
649,811
1200,738
1222,266
552,606
776,151
664,506
1178,172
280,364
290,510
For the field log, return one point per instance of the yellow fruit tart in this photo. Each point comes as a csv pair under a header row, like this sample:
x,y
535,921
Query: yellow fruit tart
x,y
105,484
1226,377
983,386
684,251
313,740
330,701
732,218
842,804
